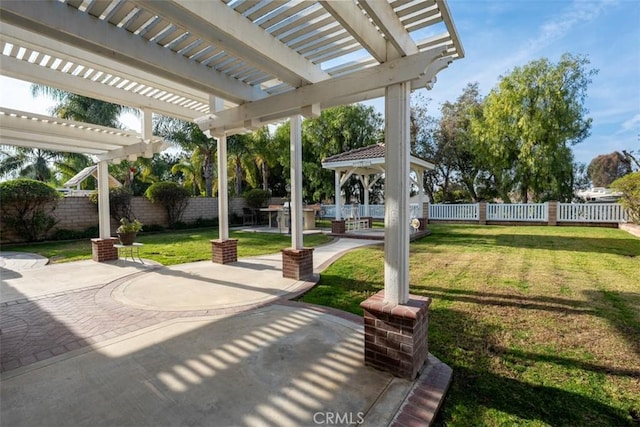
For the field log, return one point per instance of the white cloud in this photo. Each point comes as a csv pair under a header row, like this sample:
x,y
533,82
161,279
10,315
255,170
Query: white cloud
x,y
632,123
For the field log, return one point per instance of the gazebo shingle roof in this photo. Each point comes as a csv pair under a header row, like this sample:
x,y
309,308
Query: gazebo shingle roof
x,y
374,151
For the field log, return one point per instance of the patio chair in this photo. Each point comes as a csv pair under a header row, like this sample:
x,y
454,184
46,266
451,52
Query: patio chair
x,y
248,217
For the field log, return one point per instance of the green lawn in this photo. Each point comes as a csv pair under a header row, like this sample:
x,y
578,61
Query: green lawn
x,y
176,247
541,325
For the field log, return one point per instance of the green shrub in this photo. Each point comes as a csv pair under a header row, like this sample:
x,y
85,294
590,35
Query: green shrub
x,y
629,185
119,203
26,206
64,234
173,197
257,198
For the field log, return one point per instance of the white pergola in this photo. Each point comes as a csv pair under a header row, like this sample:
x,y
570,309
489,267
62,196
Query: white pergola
x,y
235,65
368,164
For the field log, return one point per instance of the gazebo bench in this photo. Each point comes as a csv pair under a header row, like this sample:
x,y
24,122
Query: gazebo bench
x,y
351,224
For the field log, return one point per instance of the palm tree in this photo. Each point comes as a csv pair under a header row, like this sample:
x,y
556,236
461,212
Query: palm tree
x,y
190,169
27,163
242,161
81,108
191,138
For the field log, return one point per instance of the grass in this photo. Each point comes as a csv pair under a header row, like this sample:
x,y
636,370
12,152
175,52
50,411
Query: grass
x,y
541,325
177,247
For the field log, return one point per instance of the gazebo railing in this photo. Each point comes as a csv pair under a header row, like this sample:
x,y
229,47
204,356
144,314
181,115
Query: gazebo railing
x,y
375,211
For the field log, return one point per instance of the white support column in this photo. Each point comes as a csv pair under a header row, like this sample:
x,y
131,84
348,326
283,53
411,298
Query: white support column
x,y
338,202
420,174
295,207
104,220
365,183
223,193
396,215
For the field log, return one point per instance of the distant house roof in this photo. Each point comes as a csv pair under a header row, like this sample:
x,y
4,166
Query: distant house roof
x,y
86,173
369,156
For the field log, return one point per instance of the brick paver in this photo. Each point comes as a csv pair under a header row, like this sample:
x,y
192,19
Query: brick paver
x,y
50,325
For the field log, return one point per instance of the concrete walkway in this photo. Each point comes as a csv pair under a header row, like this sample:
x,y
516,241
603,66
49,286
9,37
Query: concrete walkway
x,y
122,344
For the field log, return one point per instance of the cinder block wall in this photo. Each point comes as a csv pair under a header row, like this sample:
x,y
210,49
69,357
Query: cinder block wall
x,y
79,213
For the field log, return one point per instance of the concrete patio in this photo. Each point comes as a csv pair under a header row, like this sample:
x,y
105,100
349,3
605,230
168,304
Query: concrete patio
x,y
121,343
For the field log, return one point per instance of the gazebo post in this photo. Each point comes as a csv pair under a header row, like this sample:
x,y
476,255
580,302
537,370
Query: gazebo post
x,y
338,224
297,261
395,322
365,183
102,248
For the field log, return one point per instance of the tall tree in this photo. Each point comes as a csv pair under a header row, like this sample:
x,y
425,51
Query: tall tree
x,y
528,124
189,137
81,108
242,166
337,130
455,134
34,163
606,168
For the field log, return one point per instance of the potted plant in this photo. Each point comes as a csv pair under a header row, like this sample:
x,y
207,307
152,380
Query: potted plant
x,y
128,230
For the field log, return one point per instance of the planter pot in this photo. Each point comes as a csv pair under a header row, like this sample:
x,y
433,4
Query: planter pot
x,y
127,238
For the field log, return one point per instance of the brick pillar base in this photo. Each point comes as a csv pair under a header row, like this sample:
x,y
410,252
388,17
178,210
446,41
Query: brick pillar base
x,y
482,213
553,212
338,226
423,224
396,336
224,251
297,263
102,249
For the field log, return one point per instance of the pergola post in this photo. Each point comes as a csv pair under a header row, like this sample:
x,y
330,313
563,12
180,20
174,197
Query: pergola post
x,y
102,248
395,322
396,216
223,249
297,261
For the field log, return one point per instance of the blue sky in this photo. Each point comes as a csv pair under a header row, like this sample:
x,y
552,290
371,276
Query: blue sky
x,y
499,35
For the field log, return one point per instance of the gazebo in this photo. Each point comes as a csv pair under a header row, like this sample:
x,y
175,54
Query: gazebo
x,y
233,66
368,164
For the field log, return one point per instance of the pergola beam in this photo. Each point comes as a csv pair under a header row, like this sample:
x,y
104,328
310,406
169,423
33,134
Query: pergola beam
x,y
358,25
100,37
393,72
216,23
386,19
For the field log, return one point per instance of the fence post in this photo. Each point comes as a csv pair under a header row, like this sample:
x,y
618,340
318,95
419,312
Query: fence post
x,y
552,214
482,213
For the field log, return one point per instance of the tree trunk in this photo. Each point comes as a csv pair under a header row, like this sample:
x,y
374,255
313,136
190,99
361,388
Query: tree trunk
x,y
208,176
238,177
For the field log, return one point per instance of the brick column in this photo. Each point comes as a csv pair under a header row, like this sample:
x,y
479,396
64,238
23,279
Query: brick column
x,y
102,249
338,226
297,263
396,336
423,223
482,213
425,211
553,212
224,251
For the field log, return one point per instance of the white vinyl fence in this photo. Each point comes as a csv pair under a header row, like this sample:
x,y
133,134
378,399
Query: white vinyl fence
x,y
467,212
375,211
518,212
591,212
